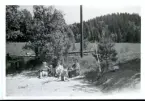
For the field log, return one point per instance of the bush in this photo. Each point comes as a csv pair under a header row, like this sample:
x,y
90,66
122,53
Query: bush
x,y
88,64
105,54
92,73
15,65
33,63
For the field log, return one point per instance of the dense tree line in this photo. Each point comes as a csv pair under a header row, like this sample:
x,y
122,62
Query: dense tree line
x,y
123,27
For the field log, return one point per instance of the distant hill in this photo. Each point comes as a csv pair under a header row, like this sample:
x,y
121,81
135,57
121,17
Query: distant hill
x,y
122,27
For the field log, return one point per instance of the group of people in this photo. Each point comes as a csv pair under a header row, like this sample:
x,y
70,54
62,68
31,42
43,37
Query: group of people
x,y
57,69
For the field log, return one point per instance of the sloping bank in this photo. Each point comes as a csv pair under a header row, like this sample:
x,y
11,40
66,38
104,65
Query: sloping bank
x,y
127,76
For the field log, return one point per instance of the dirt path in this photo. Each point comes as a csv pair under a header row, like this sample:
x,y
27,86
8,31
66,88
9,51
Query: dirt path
x,y
27,84
23,86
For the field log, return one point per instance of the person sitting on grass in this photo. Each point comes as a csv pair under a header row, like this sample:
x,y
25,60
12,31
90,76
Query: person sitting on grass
x,y
45,70
64,74
75,69
59,69
70,72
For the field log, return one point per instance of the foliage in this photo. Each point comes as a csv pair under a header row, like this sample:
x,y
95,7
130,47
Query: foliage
x,y
86,42
12,20
106,54
123,27
25,24
50,36
18,23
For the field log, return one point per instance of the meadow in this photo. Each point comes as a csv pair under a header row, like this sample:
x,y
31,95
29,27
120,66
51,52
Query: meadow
x,y
125,52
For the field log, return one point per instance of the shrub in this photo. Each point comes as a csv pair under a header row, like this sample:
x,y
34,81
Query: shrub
x,y
88,64
33,63
105,53
15,65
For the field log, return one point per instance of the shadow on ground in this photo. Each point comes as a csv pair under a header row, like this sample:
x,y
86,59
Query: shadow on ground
x,y
30,73
128,76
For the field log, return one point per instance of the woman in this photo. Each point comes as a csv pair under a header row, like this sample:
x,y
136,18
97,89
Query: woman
x,y
62,72
59,69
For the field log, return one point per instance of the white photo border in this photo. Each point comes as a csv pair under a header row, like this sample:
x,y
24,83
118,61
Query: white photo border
x,y
98,3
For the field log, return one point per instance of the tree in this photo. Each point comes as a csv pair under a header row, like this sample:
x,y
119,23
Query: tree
x,y
124,26
50,35
12,22
105,54
25,24
18,23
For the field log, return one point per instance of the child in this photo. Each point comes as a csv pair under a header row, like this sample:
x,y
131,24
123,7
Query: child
x,y
59,69
64,74
44,70
77,67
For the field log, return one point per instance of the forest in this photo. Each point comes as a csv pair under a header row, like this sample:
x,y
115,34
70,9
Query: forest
x,y
122,27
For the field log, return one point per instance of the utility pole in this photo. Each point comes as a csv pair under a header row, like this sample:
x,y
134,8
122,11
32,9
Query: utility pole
x,y
81,31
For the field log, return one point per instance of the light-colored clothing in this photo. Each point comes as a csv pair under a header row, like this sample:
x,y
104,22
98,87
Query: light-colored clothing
x,y
64,72
77,66
64,75
59,70
43,73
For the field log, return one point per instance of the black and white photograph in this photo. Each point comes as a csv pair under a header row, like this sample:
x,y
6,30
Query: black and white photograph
x,y
72,50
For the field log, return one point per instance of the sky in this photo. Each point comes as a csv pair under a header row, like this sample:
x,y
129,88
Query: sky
x,y
72,13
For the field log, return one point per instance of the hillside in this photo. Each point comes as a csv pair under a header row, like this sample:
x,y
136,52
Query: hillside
x,y
122,27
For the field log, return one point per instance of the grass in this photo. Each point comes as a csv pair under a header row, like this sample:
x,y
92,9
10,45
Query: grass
x,y
127,76
126,51
17,48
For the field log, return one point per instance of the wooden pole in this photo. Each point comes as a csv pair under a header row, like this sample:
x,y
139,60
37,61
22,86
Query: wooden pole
x,y
81,31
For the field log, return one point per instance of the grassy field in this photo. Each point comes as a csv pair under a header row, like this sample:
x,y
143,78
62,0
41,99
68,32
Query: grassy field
x,y
126,51
17,48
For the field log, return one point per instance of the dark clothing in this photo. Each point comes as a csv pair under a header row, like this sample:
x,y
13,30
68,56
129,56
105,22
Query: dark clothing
x,y
74,70
72,73
54,63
